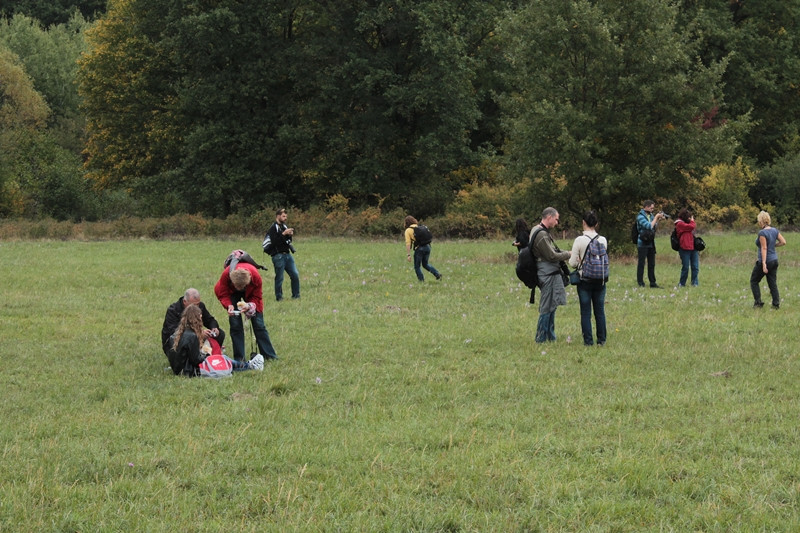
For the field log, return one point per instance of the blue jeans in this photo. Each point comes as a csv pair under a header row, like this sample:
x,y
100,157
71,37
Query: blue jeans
x,y
421,256
592,294
238,366
281,262
546,328
262,337
689,257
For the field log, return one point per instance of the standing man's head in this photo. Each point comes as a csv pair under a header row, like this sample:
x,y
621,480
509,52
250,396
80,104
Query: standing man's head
x,y
240,278
648,205
410,220
550,217
281,216
191,297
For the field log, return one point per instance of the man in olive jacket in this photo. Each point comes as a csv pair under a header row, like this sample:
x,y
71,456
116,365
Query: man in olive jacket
x,y
548,263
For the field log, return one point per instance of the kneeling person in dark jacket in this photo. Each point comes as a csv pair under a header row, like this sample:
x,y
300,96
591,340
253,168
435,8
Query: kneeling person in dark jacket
x,y
173,318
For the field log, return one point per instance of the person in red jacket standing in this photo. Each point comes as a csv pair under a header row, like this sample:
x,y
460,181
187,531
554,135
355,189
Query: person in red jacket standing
x,y
685,226
239,292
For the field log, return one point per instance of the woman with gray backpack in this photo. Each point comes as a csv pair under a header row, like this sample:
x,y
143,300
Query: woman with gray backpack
x,y
590,257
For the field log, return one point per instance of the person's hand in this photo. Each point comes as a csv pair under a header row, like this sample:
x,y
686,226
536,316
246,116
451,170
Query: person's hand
x,y
408,257
764,267
231,310
250,311
515,243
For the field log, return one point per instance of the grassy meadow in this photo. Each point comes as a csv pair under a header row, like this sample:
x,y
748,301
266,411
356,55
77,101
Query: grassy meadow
x,y
397,405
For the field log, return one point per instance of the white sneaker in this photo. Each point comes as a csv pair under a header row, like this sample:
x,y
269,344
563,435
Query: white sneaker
x,y
257,362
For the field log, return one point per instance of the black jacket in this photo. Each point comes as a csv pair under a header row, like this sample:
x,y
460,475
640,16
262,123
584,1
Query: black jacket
x,y
173,318
187,357
275,242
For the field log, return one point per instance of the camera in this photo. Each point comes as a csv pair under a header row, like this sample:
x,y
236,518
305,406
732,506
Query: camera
x,y
663,214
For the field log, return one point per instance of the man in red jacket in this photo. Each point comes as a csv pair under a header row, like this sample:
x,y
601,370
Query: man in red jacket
x,y
239,292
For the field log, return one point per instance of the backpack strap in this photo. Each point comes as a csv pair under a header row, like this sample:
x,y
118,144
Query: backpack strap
x,y
586,251
536,231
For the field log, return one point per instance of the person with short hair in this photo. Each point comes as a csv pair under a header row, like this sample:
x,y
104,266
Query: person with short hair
x,y
768,239
278,244
239,292
548,264
647,222
684,227
591,292
422,251
173,317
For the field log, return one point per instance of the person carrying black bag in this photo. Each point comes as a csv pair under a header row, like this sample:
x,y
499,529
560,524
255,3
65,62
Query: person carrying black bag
x,y
278,244
551,283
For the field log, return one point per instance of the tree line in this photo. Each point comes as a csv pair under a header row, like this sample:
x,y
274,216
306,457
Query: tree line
x,y
494,108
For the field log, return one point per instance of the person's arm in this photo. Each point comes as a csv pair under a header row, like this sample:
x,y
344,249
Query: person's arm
x,y
545,251
255,294
409,235
577,252
780,241
763,242
209,321
223,291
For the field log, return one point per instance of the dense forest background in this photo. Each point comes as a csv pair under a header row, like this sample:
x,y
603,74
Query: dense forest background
x,y
477,109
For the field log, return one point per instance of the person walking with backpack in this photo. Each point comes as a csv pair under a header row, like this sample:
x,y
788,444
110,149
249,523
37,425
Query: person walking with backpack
x,y
548,265
590,257
646,245
418,237
684,228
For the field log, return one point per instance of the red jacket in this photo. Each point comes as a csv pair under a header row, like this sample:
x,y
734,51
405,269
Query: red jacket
x,y
686,233
224,289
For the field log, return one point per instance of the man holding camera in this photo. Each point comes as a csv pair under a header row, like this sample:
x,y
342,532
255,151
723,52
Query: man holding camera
x,y
278,244
646,222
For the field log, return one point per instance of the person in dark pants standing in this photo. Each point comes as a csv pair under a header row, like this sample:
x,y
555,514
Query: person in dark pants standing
x,y
239,292
767,261
646,245
278,244
522,233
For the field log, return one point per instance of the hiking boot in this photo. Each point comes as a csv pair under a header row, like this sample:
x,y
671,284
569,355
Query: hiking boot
x,y
438,277
758,305
257,362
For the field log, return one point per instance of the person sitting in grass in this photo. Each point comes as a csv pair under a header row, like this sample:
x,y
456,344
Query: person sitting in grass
x,y
190,345
173,317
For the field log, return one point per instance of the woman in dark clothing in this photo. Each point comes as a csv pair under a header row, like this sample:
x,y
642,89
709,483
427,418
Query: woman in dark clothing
x,y
521,240
523,232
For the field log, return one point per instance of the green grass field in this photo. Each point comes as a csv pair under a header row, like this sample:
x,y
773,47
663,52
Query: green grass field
x,y
395,405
